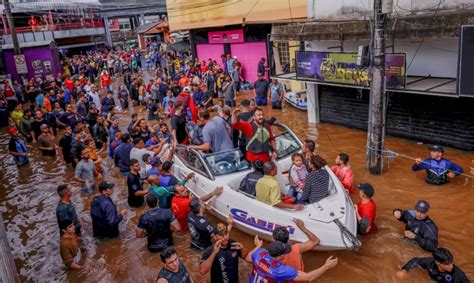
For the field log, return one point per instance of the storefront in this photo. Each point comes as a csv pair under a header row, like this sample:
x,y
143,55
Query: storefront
x,y
248,44
41,60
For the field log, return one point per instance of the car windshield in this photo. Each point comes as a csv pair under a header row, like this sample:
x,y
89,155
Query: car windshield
x,y
286,144
226,162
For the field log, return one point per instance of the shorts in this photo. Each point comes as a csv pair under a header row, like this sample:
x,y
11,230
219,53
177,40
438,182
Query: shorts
x,y
362,225
89,189
261,101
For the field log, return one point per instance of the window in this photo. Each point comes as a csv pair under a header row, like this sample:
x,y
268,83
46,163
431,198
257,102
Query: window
x,y
191,159
284,54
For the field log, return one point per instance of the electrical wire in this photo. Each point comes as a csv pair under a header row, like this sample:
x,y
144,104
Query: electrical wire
x,y
253,7
289,7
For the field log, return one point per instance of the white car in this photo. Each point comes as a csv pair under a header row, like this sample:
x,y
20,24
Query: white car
x,y
332,219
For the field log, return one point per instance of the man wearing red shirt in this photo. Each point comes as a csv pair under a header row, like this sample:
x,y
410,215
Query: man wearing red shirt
x,y
260,139
343,171
365,210
182,199
69,83
105,80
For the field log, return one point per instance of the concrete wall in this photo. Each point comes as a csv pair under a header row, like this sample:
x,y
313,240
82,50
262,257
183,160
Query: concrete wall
x,y
436,56
361,9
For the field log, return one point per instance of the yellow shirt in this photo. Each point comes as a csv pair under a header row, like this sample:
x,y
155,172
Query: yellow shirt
x,y
268,190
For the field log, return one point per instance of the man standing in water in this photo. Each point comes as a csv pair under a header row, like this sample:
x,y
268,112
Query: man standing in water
x,y
419,227
84,172
440,267
17,147
105,218
438,169
65,211
173,269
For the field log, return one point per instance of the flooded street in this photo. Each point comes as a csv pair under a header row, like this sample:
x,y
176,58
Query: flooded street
x,y
28,201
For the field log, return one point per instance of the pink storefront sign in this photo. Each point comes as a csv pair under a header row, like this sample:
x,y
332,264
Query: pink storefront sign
x,y
228,36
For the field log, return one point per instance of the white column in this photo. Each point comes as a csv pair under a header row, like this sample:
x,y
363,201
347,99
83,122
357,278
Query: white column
x,y
313,103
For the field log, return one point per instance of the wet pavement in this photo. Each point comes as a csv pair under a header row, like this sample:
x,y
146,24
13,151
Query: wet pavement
x,y
28,202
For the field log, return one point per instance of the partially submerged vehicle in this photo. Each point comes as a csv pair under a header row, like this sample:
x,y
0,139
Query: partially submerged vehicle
x,y
332,219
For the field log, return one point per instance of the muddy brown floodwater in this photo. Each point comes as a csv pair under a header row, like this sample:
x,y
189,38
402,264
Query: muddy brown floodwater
x,y
28,201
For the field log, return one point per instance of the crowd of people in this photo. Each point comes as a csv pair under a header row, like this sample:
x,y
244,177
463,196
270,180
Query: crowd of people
x,y
77,116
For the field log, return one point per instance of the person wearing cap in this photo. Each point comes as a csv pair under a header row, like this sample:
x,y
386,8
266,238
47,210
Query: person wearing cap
x,y
222,258
268,189
215,133
69,244
438,169
65,209
45,142
36,126
182,199
156,225
84,172
136,193
105,218
173,268
155,169
440,267
184,97
294,257
17,147
249,182
267,265
419,228
365,210
260,90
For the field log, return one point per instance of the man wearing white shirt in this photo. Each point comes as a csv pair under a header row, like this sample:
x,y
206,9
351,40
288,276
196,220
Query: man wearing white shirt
x,y
139,150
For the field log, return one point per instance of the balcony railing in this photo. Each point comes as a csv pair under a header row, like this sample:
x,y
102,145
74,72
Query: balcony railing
x,y
58,27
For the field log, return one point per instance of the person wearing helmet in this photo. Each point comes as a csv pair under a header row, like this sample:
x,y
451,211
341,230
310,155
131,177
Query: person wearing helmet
x,y
419,228
438,169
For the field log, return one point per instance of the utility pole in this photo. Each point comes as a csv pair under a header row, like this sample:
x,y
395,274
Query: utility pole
x,y
11,25
376,127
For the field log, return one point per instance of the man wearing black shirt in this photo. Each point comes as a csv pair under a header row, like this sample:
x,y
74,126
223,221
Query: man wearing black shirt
x,y
36,125
178,125
440,267
222,259
136,192
156,225
77,146
199,226
67,118
65,145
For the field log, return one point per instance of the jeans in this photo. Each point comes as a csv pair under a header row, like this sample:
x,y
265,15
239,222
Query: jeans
x,y
261,101
230,103
292,192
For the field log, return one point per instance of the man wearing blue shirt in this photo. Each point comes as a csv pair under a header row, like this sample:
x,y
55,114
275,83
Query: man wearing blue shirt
x,y
267,266
438,169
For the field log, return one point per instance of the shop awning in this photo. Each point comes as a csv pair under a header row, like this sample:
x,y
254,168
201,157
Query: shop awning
x,y
415,84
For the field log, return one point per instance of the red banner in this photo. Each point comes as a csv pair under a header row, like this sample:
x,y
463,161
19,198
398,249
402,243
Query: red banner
x,y
228,36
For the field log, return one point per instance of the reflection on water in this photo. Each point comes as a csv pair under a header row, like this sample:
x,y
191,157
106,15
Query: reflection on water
x,y
28,201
